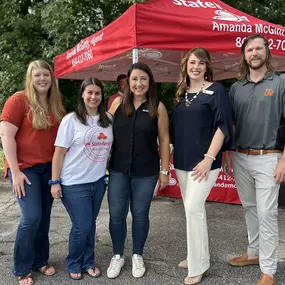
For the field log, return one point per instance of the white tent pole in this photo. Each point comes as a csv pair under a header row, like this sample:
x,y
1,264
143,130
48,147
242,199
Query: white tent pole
x,y
135,55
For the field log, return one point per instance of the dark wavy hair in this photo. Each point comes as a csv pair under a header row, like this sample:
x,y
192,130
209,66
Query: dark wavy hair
x,y
81,111
184,80
243,66
151,94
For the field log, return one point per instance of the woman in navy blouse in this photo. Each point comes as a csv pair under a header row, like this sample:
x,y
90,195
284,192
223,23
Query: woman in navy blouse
x,y
202,129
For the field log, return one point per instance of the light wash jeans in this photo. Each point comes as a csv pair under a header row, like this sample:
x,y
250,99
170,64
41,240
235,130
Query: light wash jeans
x,y
254,176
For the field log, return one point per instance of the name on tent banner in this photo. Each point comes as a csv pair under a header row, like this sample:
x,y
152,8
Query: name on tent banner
x,y
82,52
225,21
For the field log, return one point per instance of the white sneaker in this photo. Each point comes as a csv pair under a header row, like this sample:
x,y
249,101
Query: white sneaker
x,y
138,266
115,266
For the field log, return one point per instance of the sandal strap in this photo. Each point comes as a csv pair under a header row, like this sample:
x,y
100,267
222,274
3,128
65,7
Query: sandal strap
x,y
95,270
28,277
45,268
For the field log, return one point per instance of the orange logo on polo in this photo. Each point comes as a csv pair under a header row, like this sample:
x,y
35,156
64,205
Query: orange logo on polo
x,y
268,92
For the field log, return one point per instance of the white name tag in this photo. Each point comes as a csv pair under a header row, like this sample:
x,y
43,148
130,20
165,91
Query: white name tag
x,y
145,110
209,92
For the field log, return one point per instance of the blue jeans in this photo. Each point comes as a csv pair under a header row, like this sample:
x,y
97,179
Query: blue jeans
x,y
31,249
125,190
83,203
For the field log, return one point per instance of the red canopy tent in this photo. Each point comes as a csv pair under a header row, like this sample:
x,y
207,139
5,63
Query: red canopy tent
x,y
159,32
162,30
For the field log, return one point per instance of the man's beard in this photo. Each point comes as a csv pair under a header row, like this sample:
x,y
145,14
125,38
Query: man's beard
x,y
256,66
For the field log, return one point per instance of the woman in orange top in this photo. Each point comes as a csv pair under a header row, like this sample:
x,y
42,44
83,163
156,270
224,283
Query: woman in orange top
x,y
29,123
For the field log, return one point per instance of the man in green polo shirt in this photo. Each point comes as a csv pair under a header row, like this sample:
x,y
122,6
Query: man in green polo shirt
x,y
258,100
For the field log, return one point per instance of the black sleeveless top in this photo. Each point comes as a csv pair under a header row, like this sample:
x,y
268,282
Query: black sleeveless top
x,y
135,149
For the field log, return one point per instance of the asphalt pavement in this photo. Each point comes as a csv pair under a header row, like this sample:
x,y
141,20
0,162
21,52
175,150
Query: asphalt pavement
x,y
166,245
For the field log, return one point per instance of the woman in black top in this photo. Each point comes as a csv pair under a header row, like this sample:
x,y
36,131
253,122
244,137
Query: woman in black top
x,y
202,128
139,119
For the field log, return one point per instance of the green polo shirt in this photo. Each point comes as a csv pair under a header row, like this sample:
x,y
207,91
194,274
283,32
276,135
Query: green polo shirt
x,y
259,112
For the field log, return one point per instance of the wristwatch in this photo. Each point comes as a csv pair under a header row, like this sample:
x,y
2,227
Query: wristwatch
x,y
165,172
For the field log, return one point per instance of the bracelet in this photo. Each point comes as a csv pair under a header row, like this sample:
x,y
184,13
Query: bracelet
x,y
210,156
53,182
165,172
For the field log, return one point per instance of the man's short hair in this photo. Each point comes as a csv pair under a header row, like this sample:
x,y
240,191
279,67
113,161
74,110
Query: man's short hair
x,y
120,77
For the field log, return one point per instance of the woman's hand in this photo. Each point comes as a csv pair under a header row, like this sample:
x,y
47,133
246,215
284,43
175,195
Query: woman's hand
x,y
202,169
56,191
19,179
163,180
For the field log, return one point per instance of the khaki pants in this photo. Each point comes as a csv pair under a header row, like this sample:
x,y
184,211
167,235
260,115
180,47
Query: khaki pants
x,y
194,195
254,176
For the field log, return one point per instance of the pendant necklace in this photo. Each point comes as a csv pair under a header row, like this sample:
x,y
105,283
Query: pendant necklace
x,y
189,102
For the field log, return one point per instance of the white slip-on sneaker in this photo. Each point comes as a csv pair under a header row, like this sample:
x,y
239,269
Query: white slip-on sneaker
x,y
115,266
138,266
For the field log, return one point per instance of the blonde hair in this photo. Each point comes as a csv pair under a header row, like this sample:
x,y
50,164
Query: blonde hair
x,y
184,80
40,116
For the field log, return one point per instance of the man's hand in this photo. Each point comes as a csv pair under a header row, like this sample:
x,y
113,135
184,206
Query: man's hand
x,y
226,164
279,173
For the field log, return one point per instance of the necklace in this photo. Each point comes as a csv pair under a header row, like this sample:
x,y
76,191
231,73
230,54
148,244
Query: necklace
x,y
189,102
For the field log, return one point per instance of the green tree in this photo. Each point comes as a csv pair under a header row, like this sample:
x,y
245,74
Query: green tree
x,y
32,29
269,10
20,38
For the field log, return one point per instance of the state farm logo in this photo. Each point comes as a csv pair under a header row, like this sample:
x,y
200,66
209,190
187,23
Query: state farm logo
x,y
221,13
102,136
97,145
227,16
172,181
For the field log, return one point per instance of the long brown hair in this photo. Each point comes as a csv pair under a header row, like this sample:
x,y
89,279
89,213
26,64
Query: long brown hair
x,y
81,111
40,116
243,66
151,94
184,80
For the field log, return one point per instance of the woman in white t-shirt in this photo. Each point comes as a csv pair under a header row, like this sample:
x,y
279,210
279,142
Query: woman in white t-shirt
x,y
82,148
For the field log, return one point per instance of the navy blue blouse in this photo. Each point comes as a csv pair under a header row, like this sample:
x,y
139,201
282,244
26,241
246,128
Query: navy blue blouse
x,y
193,127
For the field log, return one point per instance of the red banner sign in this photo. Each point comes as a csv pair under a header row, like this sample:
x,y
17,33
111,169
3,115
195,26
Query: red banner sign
x,y
224,189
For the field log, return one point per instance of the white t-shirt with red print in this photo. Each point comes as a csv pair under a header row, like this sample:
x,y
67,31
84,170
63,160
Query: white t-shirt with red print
x,y
88,149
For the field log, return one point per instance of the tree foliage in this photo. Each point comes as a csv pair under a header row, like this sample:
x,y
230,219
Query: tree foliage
x,y
32,29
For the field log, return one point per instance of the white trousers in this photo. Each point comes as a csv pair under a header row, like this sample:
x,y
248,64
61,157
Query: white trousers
x,y
254,176
194,195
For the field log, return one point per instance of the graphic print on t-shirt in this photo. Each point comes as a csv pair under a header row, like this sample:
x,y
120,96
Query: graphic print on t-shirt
x,y
96,144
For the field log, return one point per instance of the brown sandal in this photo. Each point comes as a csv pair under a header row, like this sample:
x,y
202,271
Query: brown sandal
x,y
95,270
26,280
44,270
